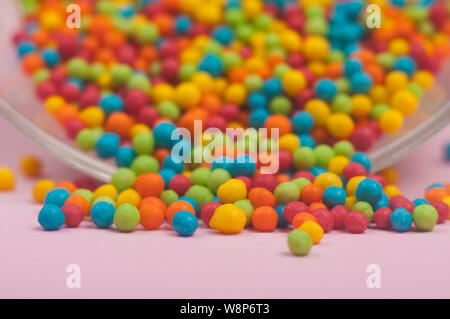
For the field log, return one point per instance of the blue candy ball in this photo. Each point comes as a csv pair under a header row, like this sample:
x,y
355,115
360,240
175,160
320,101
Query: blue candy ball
x,y
405,64
316,170
243,165
362,159
212,64
401,219
174,163
282,222
307,140
258,117
51,217
102,214
224,35
302,122
352,67
166,175
272,87
182,24
163,134
111,103
125,156
24,48
420,201
51,57
257,100
189,200
184,223
369,190
326,89
107,145
360,82
225,163
333,196
57,197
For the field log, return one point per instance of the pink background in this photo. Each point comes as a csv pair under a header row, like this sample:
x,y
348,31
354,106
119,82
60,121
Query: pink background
x,y
160,264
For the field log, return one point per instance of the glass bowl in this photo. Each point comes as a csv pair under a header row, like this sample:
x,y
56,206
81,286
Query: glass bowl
x,y
20,106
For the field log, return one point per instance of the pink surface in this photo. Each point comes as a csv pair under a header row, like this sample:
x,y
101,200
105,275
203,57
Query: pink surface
x,y
160,264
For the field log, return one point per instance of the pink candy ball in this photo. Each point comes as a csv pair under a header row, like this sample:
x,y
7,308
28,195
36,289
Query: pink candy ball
x,y
246,180
354,169
268,181
401,201
304,174
442,210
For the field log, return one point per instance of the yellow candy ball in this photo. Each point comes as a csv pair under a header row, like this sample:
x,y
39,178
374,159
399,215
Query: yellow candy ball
x,y
7,179
446,200
293,81
328,179
391,121
187,95
54,103
361,105
379,94
392,190
229,219
30,165
107,190
236,93
350,201
353,183
139,128
313,229
129,196
399,46
396,80
41,188
232,191
289,142
340,125
92,116
319,110
337,164
162,92
203,80
390,174
291,41
315,48
424,79
405,101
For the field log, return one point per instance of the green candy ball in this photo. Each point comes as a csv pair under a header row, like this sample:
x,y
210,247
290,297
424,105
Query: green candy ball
x,y
344,148
168,196
126,218
364,208
304,158
247,207
217,178
145,164
200,176
143,143
200,194
425,217
86,139
87,194
301,182
299,242
286,192
323,154
123,179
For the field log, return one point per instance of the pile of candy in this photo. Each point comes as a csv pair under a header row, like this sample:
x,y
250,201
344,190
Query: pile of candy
x,y
137,70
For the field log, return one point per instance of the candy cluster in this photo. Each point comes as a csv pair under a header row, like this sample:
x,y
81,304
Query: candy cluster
x,y
136,71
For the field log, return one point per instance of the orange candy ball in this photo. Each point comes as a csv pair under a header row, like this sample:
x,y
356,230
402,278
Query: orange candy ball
x,y
149,185
300,218
79,201
152,216
435,194
264,219
260,196
175,207
311,193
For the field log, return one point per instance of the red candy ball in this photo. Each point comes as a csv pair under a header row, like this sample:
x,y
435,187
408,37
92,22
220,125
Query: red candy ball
x,y
268,181
324,218
339,212
356,222
74,215
45,89
246,180
304,174
179,184
293,208
285,160
148,115
401,201
208,211
135,100
354,169
363,138
73,127
442,210
382,217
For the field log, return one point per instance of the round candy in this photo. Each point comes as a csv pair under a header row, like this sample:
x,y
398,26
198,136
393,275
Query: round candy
x,y
184,223
442,209
41,188
102,214
313,229
339,212
229,219
261,197
286,192
291,209
178,206
369,190
126,218
364,208
382,217
51,217
425,217
356,222
264,218
57,196
74,215
208,211
333,196
299,242
401,219
324,218
232,191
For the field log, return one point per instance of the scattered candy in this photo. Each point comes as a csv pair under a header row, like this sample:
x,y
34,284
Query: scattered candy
x,y
7,179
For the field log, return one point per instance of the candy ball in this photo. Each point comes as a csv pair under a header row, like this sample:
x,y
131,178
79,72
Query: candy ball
x,y
6,179
324,218
425,217
286,192
313,229
51,217
382,217
333,196
30,165
126,218
401,219
364,208
74,215
41,188
264,219
229,219
442,209
369,190
184,223
208,211
57,196
232,191
356,222
102,214
299,242
339,212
